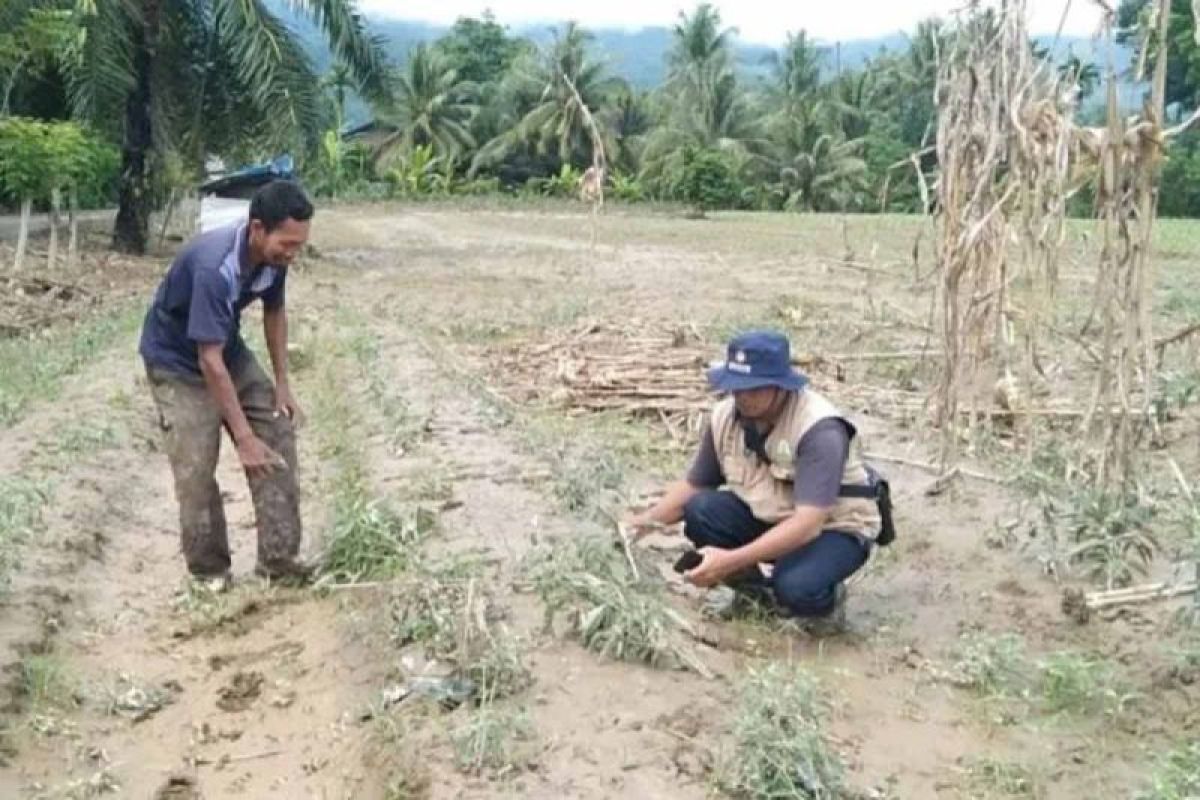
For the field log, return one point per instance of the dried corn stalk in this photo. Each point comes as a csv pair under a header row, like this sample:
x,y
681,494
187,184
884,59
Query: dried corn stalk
x,y
1004,140
1130,162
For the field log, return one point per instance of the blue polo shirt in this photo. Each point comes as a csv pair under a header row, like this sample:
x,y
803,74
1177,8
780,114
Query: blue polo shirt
x,y
201,300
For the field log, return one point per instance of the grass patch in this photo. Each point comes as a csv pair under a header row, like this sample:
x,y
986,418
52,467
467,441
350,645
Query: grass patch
x,y
45,684
994,667
989,778
35,367
206,610
1075,683
84,438
1177,776
589,582
447,610
495,741
369,540
780,750
21,504
401,427
998,669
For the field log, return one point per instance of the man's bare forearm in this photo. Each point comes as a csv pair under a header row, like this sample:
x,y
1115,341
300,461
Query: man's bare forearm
x,y
669,508
275,328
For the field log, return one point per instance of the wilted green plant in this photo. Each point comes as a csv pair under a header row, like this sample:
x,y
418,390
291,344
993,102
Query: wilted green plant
x,y
447,610
45,683
368,539
1080,684
995,667
780,750
989,778
611,612
494,740
1177,776
21,503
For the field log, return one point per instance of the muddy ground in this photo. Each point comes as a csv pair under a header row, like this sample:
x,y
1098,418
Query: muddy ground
x,y
121,681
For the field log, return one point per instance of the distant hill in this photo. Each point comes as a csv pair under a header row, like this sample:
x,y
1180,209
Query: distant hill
x,y
639,56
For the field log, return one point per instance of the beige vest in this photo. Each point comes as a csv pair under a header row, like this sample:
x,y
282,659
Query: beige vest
x,y
767,488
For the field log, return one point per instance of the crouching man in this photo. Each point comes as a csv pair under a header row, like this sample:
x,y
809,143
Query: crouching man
x,y
777,481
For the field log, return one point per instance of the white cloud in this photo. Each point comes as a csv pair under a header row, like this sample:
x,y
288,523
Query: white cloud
x,y
765,21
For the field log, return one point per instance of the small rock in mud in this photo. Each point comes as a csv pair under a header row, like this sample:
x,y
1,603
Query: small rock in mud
x,y
179,787
241,691
1074,605
218,661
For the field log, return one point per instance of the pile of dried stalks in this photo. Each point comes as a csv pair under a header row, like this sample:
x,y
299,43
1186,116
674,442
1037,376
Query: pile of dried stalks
x,y
658,375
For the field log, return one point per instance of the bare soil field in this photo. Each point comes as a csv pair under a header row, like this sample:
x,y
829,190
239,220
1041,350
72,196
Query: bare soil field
x,y
485,388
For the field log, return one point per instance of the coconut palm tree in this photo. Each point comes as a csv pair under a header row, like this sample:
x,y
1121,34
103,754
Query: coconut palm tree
x,y
818,169
543,93
431,107
705,107
204,76
797,69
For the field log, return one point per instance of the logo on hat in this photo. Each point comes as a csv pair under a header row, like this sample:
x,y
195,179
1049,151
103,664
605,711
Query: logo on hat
x,y
739,364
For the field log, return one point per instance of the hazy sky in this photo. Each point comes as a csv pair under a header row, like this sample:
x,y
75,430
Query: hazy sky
x,y
761,21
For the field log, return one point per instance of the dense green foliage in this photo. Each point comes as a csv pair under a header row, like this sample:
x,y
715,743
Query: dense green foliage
x,y
477,107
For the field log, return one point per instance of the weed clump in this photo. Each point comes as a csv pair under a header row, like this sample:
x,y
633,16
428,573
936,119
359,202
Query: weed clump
x,y
780,750
612,612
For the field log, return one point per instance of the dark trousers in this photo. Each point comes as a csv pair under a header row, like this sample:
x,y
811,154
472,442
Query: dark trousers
x,y
192,423
804,581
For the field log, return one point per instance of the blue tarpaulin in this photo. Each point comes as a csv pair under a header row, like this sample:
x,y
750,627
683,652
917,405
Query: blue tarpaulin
x,y
246,179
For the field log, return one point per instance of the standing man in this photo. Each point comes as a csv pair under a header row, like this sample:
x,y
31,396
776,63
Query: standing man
x,y
777,480
203,378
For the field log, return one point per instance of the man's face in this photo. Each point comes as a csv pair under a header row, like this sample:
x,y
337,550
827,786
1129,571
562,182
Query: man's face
x,y
282,245
755,403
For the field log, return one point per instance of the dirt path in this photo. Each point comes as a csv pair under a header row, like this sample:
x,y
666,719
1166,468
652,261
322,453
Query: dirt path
x,y
126,634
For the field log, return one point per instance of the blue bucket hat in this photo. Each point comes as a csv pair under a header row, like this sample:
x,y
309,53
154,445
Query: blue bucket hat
x,y
756,359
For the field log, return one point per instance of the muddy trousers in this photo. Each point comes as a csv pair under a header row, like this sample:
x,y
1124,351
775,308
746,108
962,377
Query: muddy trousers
x,y
192,424
804,581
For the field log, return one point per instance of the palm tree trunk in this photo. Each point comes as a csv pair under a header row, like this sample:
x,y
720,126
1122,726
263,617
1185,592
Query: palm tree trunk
x,y
55,208
133,213
73,224
23,234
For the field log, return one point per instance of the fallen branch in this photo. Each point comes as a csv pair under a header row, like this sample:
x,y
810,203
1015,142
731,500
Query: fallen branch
x,y
1178,336
933,468
235,759
1137,594
898,355
624,534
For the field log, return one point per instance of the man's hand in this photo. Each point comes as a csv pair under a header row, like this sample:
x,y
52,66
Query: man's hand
x,y
639,525
286,405
257,459
717,565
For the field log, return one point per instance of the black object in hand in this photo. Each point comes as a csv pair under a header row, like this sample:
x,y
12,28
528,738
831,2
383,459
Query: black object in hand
x,y
689,560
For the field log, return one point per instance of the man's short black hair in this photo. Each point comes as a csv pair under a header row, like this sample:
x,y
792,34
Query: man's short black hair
x,y
279,201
